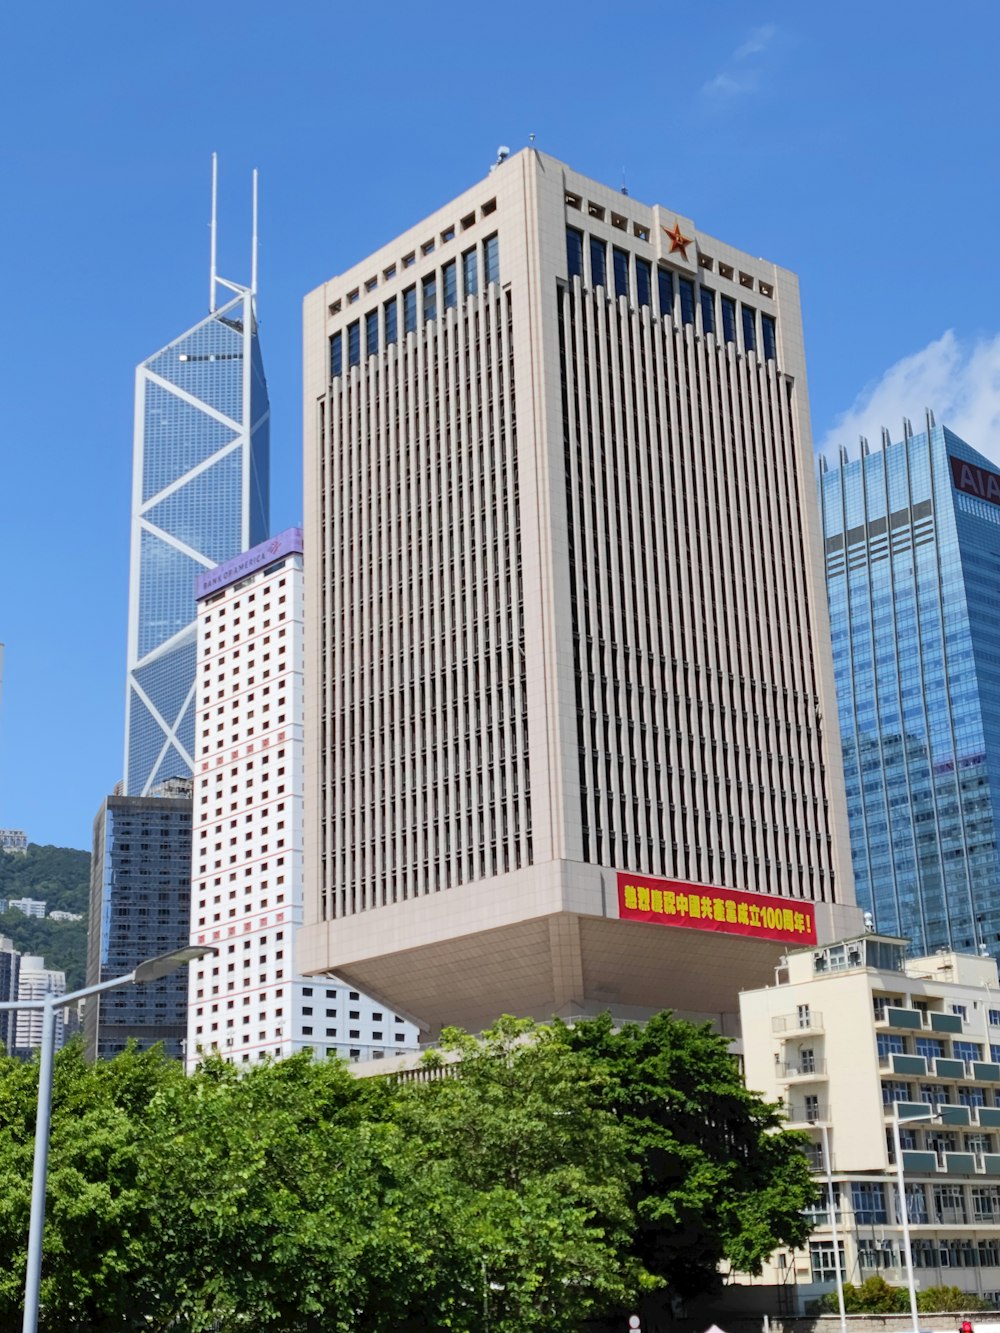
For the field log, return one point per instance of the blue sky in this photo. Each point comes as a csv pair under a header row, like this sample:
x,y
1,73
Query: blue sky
x,y
855,143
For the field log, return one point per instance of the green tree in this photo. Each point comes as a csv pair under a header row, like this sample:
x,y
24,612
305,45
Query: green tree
x,y
96,1238
943,1300
539,1175
719,1179
60,875
873,1296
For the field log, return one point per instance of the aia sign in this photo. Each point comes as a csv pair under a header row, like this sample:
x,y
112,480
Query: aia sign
x,y
975,480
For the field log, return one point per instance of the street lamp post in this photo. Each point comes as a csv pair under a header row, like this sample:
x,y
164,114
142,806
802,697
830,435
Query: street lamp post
x,y
834,1231
903,1211
151,970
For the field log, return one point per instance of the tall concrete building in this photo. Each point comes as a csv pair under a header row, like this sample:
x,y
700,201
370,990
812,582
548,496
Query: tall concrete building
x,y
570,713
913,571
140,896
249,1000
199,496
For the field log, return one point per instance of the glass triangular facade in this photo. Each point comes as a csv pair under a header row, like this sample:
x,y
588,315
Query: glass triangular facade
x,y
202,452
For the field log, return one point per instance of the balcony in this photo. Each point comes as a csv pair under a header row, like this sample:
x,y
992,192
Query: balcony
x,y
945,1022
945,1068
811,1022
986,1071
801,1069
904,1064
807,1113
910,1020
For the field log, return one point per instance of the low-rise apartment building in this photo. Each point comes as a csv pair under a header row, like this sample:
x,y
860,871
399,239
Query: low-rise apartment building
x,y
849,1037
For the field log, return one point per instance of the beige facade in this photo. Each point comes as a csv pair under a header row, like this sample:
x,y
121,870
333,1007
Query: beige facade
x,y
564,611
850,1034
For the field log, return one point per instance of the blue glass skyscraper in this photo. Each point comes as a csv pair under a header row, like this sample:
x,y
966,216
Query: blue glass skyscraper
x,y
912,537
199,496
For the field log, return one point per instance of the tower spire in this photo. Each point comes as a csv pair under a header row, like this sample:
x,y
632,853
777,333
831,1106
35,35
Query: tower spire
x,y
212,243
253,239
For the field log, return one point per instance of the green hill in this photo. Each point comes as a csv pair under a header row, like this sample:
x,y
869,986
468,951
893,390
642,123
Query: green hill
x,y
61,877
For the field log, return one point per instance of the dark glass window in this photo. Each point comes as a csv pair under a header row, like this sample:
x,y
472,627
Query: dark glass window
x,y
470,273
353,343
449,285
643,282
749,329
371,332
687,300
707,297
665,282
598,263
621,272
430,296
574,252
390,321
409,309
491,259
729,319
336,355
770,337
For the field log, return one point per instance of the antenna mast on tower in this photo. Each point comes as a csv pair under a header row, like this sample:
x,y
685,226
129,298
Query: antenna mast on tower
x,y
253,241
212,255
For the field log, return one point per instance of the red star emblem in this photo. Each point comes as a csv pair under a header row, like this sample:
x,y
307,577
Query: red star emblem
x,y
678,241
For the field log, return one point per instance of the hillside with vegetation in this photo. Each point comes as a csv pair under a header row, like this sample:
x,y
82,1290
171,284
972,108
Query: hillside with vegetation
x,y
60,876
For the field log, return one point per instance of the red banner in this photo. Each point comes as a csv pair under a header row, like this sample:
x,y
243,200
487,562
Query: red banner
x,y
669,902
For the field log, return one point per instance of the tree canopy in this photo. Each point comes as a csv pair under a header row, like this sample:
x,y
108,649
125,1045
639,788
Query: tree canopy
x,y
551,1176
60,876
876,1296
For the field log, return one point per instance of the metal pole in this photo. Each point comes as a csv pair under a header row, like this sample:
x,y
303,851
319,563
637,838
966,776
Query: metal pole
x,y
253,240
211,266
33,1274
823,1129
904,1217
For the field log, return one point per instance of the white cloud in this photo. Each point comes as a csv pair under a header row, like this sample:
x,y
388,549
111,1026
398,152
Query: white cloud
x,y
758,40
741,73
958,380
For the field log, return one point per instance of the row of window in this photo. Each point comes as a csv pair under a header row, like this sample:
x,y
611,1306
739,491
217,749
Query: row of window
x,y
438,291
632,277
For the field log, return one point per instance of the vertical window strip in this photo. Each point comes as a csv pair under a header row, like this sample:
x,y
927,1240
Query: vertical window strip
x,y
687,300
470,273
449,284
621,272
598,263
707,297
749,329
729,319
410,310
665,287
354,343
574,252
643,282
390,321
491,259
336,355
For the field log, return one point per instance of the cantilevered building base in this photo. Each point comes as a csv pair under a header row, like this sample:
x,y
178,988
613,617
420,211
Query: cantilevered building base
x,y
549,941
